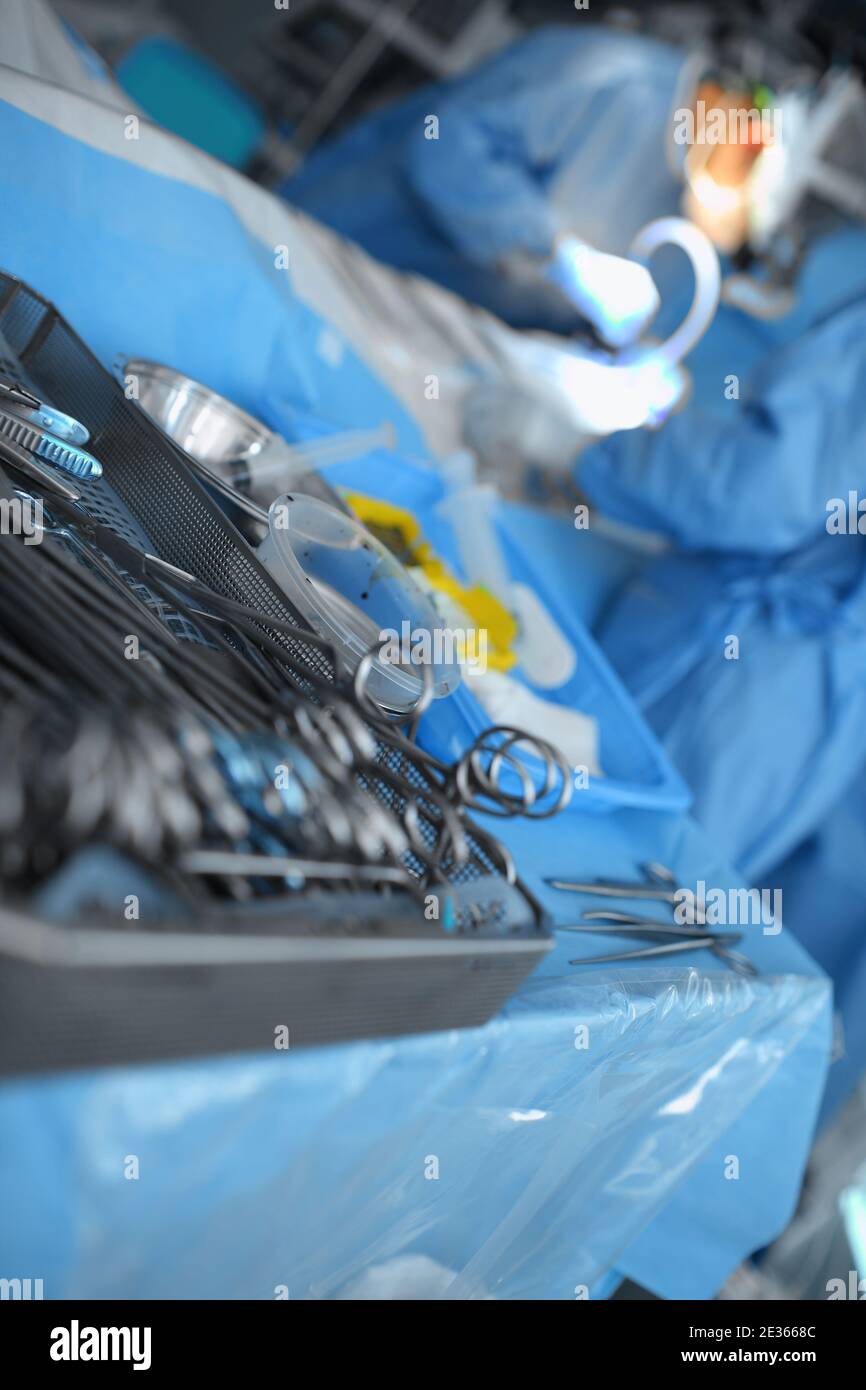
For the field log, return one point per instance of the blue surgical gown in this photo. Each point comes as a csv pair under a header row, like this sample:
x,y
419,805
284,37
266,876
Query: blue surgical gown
x,y
770,729
823,888
564,131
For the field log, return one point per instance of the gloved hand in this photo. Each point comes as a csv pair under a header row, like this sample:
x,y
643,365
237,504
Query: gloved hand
x,y
761,477
616,295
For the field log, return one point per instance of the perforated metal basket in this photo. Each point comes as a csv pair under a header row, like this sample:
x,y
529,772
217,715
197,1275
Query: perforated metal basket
x,y
149,495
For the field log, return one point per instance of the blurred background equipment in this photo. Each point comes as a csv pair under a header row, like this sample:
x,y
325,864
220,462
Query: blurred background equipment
x,y
260,87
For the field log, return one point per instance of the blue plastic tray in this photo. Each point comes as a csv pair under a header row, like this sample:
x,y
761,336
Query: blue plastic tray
x,y
637,770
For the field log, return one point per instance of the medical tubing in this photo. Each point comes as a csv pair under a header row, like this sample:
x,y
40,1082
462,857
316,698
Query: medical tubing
x,y
319,453
677,231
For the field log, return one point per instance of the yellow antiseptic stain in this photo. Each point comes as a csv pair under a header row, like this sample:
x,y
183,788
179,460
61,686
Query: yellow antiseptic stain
x,y
400,530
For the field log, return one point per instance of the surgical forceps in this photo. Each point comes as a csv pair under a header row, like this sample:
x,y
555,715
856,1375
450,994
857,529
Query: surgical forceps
x,y
738,962
22,461
679,939
660,886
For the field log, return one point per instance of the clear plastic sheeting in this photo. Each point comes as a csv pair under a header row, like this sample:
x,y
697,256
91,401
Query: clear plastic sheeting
x,y
514,1161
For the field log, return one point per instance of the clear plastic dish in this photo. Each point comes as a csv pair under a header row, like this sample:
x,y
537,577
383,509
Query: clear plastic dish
x,y
354,593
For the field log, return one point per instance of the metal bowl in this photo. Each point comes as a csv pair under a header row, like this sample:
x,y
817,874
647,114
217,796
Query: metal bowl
x,y
204,424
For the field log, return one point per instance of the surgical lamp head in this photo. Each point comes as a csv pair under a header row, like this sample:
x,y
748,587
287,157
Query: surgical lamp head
x,y
756,162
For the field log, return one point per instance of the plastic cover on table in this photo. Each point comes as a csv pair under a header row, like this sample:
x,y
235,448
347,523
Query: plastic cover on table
x,y
514,1161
